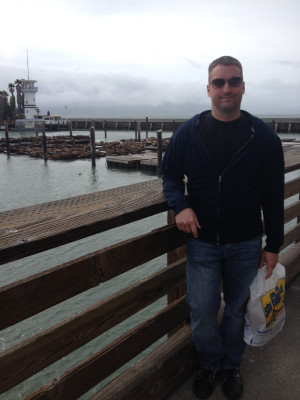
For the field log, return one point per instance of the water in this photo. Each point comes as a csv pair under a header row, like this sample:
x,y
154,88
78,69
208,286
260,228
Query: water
x,y
24,182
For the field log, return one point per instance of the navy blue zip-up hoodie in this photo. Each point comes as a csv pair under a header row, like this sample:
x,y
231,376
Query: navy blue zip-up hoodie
x,y
228,206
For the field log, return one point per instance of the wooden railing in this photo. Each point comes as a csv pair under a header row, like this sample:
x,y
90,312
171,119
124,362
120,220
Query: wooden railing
x,y
47,226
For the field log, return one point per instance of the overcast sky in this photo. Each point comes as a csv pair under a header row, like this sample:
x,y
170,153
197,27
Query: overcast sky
x,y
138,58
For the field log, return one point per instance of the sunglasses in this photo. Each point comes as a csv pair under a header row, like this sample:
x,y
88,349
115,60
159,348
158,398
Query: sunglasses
x,y
218,83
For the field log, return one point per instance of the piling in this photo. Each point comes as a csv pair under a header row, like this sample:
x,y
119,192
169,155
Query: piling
x,y
135,129
138,127
159,150
44,143
70,129
7,138
92,133
147,127
105,129
36,129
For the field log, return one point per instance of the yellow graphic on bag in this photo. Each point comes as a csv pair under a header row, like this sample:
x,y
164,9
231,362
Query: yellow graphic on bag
x,y
272,302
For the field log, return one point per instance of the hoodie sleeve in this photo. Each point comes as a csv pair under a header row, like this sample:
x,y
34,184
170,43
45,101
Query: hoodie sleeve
x,y
273,194
173,172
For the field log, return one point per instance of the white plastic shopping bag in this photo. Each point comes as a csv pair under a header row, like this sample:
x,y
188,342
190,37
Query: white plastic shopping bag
x,y
265,312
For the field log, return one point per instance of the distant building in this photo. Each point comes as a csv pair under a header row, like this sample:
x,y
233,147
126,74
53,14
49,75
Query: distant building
x,y
28,89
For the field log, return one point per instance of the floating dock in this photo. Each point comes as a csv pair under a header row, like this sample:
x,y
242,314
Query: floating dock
x,y
146,161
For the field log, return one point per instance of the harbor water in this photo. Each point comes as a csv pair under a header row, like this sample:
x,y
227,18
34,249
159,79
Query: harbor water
x,y
25,181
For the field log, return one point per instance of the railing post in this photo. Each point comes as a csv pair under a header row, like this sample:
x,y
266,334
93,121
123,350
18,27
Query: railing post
x,y
7,138
172,257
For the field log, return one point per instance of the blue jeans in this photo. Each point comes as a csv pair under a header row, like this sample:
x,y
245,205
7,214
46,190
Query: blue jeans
x,y
220,346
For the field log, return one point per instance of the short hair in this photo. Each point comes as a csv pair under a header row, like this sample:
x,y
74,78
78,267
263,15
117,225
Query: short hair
x,y
224,60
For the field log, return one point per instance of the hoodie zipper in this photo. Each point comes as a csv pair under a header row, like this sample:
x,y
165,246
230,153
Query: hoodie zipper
x,y
221,176
220,181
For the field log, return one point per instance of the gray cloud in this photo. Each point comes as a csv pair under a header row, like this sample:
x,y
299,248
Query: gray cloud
x,y
120,94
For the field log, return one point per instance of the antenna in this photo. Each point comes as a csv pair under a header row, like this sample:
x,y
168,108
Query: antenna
x,y
27,66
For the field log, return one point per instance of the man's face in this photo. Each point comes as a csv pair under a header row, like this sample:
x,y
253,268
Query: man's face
x,y
226,100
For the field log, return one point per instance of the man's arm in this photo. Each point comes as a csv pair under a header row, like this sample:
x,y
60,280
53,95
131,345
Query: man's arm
x,y
273,204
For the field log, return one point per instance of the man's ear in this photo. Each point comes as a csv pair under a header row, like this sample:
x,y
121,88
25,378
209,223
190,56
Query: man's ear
x,y
208,90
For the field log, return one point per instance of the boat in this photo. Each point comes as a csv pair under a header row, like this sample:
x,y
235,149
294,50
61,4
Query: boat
x,y
51,122
56,122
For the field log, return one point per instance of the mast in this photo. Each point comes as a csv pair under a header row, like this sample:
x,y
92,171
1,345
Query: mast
x,y
27,66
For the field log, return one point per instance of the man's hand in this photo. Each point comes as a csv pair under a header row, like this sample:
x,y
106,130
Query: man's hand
x,y
271,259
187,221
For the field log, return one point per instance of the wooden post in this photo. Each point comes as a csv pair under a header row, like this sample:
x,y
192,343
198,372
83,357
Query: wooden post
x,y
70,129
36,129
298,221
172,257
105,129
147,127
138,127
92,133
7,138
159,150
174,126
44,143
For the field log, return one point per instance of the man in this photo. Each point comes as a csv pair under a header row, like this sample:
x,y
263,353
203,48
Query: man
x,y
234,167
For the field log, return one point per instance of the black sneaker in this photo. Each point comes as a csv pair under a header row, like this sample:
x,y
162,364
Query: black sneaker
x,y
203,384
232,383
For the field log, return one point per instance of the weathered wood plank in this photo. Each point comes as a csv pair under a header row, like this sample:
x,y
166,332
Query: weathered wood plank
x,y
291,157
292,188
173,256
90,372
32,295
34,229
292,211
30,356
291,260
157,374
291,236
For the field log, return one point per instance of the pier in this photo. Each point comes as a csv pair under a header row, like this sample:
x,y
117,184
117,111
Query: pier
x,y
172,361
280,125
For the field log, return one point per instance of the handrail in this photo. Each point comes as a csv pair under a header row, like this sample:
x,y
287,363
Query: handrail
x,y
48,225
